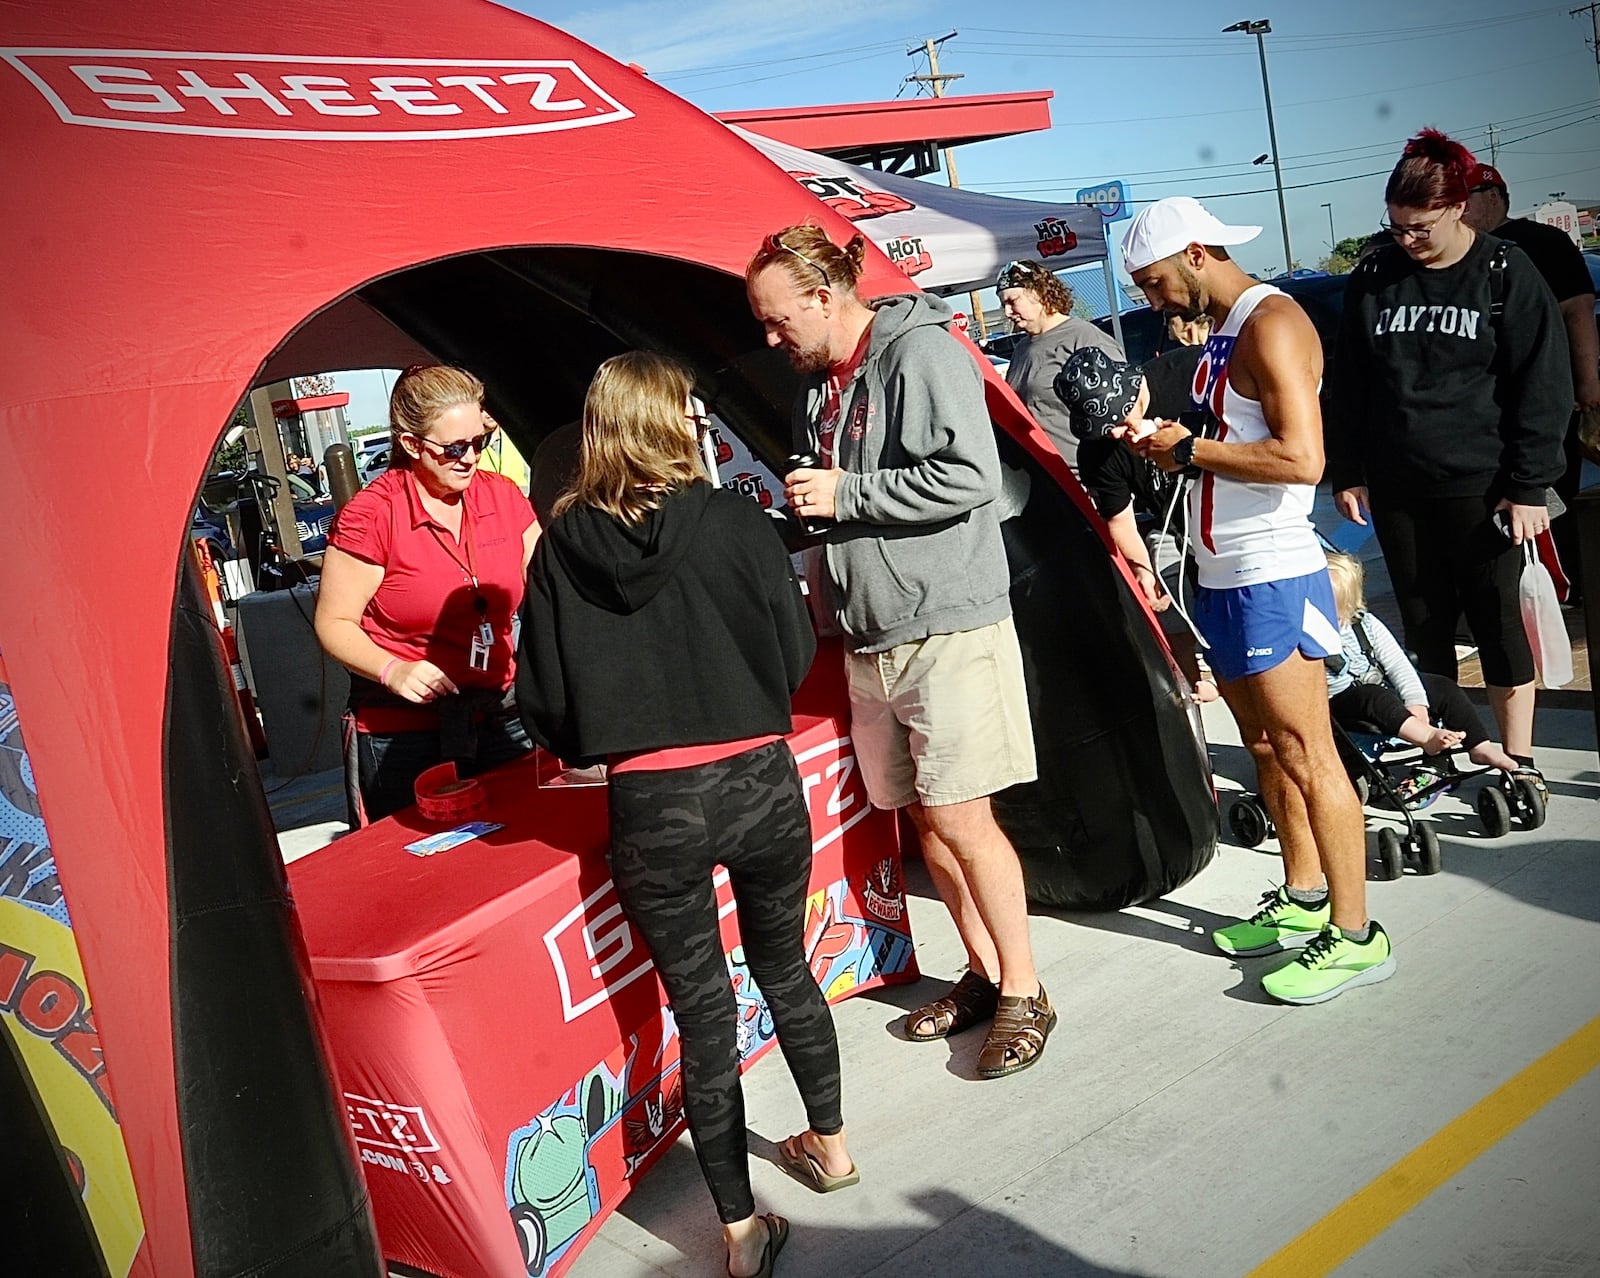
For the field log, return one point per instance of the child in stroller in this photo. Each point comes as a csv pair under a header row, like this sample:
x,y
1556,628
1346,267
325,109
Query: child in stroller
x,y
1399,733
1373,682
1377,698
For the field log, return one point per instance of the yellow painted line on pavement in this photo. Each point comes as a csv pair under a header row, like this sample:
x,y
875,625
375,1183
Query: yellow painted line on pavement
x,y
1364,1215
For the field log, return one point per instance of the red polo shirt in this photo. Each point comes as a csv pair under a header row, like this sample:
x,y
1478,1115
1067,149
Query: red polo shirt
x,y
426,608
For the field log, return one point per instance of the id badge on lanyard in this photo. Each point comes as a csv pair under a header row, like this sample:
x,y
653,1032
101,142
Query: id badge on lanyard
x,y
482,639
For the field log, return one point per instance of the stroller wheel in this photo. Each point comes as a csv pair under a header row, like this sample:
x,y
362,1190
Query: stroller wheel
x,y
1530,804
1494,813
1429,858
1248,821
1390,854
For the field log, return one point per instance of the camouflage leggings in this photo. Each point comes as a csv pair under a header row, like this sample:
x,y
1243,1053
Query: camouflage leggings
x,y
668,830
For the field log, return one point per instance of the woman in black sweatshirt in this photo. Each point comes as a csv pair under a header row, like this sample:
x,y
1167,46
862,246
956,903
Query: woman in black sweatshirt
x,y
1449,406
664,632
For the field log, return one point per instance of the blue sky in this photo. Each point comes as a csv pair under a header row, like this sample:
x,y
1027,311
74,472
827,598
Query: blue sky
x,y
1156,94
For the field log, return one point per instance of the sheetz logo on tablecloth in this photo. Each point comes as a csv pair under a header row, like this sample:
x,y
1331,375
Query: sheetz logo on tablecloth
x,y
343,99
595,950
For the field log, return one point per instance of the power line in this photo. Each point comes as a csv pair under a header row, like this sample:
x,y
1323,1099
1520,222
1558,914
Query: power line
x,y
1322,41
1208,173
1351,177
686,73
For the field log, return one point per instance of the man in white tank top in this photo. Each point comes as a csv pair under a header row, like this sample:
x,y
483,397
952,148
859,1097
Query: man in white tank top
x,y
1265,605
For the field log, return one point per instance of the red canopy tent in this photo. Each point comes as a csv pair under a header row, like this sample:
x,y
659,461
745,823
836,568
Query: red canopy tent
x,y
205,198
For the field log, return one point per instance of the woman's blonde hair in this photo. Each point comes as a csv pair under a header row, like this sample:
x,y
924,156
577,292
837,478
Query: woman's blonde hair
x,y
638,445
1348,578
420,394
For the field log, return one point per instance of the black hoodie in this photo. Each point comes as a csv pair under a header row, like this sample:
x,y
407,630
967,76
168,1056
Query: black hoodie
x,y
1433,397
687,629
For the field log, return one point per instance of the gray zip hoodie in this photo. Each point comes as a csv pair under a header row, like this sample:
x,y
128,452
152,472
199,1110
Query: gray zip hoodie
x,y
917,549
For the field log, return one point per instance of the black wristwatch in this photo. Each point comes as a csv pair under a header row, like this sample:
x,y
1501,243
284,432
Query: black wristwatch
x,y
1183,452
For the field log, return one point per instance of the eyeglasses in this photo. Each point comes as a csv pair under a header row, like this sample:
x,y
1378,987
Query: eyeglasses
x,y
456,451
702,423
776,244
1420,232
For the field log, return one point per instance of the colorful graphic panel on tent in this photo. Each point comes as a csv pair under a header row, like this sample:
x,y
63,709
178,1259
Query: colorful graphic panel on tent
x,y
191,185
945,238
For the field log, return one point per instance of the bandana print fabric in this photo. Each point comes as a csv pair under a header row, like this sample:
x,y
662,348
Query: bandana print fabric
x,y
1098,391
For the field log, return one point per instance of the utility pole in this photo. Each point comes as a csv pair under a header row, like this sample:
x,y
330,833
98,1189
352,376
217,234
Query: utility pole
x,y
1494,149
1593,10
936,80
1260,28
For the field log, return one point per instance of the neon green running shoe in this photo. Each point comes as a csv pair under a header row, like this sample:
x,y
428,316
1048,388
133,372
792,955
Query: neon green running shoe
x,y
1280,924
1330,965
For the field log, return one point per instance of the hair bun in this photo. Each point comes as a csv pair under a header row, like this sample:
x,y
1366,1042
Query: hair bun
x,y
1439,147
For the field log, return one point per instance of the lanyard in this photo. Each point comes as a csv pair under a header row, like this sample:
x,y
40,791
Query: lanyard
x,y
467,568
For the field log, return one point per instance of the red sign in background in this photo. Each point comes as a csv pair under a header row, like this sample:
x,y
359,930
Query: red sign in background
x,y
506,1056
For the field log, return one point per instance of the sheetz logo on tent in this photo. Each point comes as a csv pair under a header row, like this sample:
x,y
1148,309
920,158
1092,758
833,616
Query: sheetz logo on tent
x,y
342,99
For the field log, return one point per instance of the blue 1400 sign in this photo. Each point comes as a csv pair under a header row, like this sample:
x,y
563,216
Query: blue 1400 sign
x,y
1111,198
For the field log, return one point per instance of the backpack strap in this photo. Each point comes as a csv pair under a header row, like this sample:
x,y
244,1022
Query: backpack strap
x,y
1497,282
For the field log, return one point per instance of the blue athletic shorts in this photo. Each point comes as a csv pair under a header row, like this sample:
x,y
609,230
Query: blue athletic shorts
x,y
1251,629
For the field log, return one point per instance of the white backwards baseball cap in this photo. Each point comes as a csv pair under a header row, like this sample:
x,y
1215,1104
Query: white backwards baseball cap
x,y
1169,226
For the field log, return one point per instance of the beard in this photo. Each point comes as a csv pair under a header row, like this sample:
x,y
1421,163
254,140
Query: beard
x,y
809,359
1194,305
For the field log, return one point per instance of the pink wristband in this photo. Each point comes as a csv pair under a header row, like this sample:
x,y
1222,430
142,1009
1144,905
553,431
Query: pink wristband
x,y
383,675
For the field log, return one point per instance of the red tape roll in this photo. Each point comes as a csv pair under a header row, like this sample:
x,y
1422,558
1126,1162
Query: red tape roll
x,y
442,796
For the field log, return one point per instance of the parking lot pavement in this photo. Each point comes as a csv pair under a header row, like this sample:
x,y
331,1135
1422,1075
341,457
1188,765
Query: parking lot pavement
x,y
1181,1123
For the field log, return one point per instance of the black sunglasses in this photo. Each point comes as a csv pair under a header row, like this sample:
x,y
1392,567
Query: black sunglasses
x,y
459,449
776,244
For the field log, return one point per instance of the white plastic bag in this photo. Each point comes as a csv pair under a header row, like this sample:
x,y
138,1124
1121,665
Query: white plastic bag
x,y
1541,618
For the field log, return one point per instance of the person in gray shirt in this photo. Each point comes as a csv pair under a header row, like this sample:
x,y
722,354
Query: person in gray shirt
x,y
1041,306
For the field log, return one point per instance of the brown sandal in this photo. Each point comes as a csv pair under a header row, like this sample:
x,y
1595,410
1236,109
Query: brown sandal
x,y
1017,1037
971,1001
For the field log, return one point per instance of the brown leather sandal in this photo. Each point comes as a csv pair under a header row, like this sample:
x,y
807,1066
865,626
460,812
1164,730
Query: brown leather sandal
x,y
970,1002
1017,1037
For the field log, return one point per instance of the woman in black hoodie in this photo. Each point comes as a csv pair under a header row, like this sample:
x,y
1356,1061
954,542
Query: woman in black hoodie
x,y
664,633
1449,408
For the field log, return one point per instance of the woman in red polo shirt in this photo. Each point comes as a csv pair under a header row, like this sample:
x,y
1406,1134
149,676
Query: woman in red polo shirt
x,y
423,574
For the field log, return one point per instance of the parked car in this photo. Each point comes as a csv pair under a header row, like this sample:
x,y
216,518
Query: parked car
x,y
209,527
1144,331
313,511
372,462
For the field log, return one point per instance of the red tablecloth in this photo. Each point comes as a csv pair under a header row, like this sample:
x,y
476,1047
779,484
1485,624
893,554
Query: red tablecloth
x,y
502,1042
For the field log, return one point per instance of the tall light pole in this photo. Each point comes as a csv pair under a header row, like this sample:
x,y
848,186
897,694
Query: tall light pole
x,y
1259,28
1333,240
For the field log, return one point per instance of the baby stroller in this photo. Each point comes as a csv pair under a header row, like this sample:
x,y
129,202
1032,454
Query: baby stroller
x,y
1398,780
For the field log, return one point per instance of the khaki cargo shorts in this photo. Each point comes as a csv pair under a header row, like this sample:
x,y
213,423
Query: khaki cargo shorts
x,y
943,719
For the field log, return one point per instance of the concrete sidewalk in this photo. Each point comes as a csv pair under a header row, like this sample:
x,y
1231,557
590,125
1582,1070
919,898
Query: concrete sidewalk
x,y
1181,1123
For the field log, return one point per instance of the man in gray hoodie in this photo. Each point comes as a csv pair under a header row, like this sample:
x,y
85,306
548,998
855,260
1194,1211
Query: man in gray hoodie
x,y
908,474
